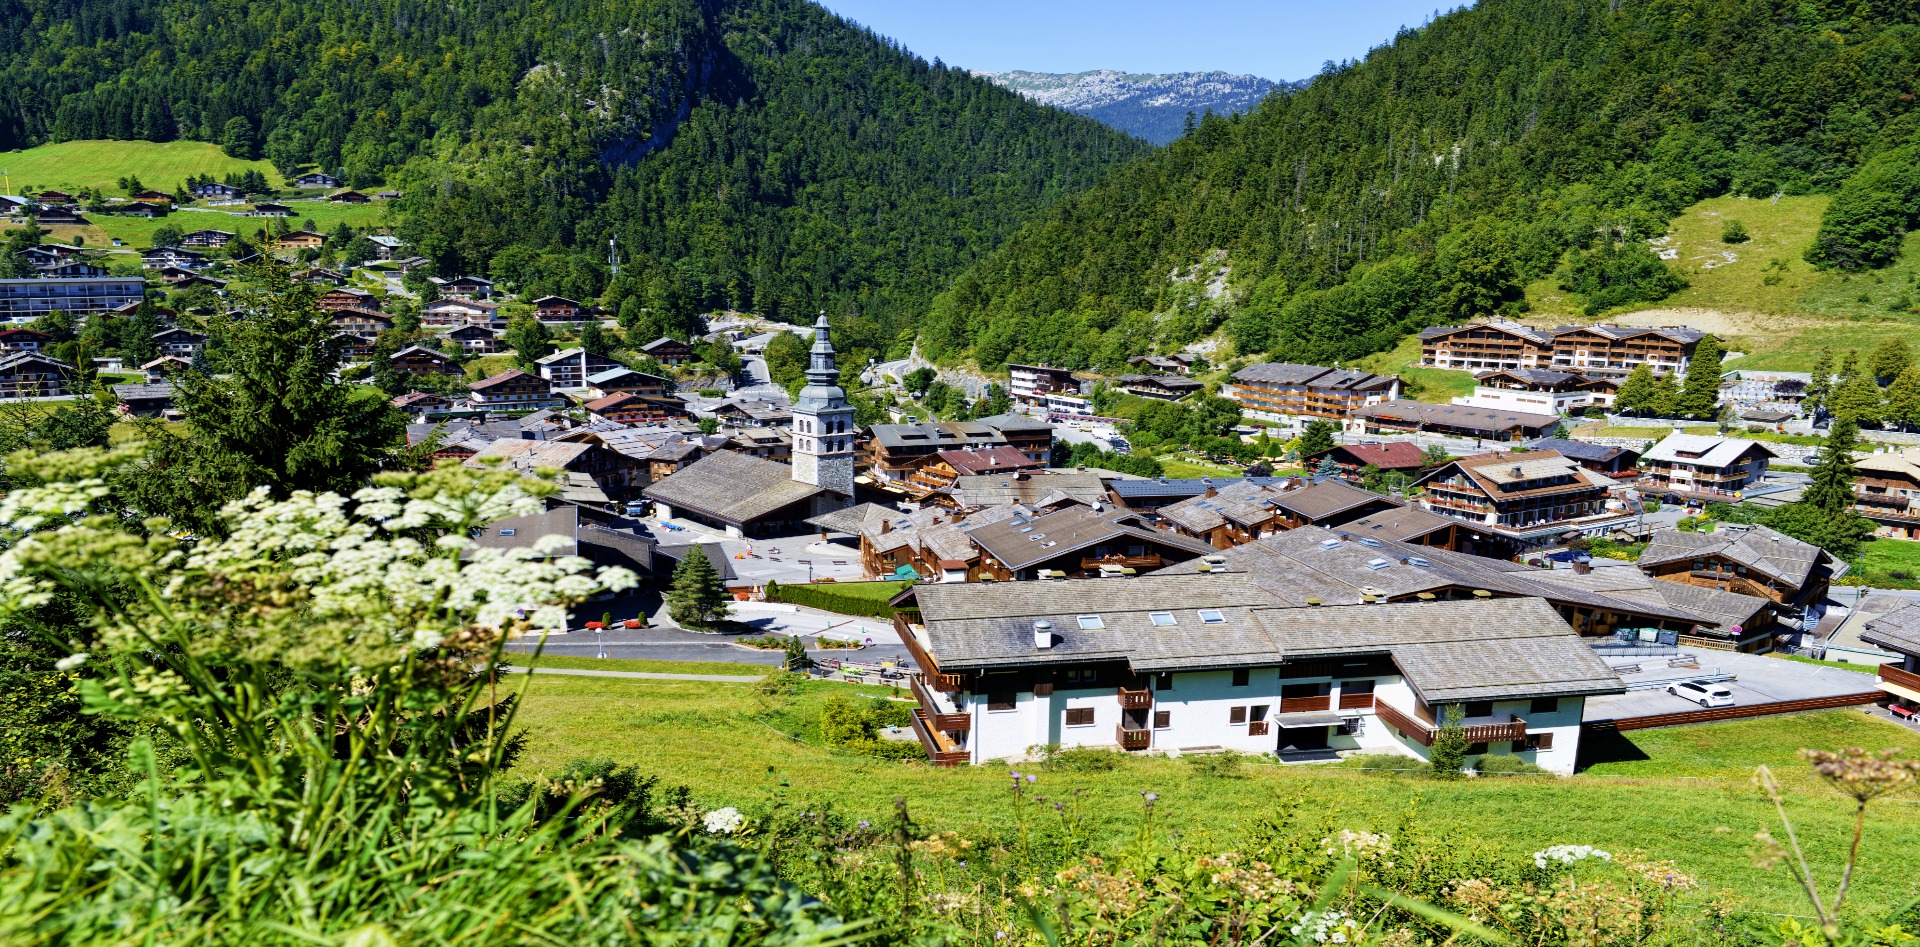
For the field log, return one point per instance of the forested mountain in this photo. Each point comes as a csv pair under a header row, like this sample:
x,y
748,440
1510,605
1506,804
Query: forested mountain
x,y
1432,180
751,153
1153,106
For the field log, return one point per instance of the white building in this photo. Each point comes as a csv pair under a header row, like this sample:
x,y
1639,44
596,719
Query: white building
x,y
1539,391
1209,661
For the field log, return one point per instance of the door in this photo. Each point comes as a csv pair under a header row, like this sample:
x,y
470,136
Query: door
x,y
1302,739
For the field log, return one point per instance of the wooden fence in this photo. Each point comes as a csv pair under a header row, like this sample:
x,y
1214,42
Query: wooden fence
x,y
1710,714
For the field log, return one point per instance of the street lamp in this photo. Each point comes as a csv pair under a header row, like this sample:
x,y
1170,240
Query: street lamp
x,y
599,641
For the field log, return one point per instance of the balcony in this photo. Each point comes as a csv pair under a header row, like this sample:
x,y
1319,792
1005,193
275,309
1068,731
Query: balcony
x,y
1121,562
942,721
1301,705
1132,739
941,749
1899,677
1354,702
1140,699
903,621
1257,728
1423,733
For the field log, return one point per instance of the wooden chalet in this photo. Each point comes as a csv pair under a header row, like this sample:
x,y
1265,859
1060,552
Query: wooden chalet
x,y
360,323
512,390
343,297
301,240
420,360
668,351
477,339
34,375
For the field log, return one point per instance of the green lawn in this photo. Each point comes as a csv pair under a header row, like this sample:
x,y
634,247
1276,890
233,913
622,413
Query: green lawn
x,y
1684,794
876,591
72,165
1886,564
137,232
1437,385
1842,665
652,667
1188,468
1780,230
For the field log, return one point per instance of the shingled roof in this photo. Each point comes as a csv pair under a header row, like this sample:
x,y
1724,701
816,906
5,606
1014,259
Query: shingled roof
x,y
733,487
1897,630
1773,554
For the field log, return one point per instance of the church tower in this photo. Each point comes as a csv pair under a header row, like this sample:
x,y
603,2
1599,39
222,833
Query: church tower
x,y
823,425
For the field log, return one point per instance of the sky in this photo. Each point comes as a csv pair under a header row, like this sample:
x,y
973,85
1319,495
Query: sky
x,y
1281,40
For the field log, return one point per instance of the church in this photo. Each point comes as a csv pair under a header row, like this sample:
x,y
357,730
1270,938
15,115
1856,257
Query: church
x,y
753,496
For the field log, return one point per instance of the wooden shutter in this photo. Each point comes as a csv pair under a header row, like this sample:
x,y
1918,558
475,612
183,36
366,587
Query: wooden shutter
x,y
1162,719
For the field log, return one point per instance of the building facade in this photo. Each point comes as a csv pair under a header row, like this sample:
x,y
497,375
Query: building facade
x,y
1280,390
27,298
823,428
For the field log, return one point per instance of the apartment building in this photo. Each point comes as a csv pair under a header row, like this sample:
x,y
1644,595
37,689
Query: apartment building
x,y
1498,344
894,451
1540,391
1886,490
1702,466
1481,346
1530,496
22,299
512,390
1031,384
1279,391
570,368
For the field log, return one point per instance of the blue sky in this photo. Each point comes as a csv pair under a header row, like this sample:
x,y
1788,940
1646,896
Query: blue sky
x,y
1275,39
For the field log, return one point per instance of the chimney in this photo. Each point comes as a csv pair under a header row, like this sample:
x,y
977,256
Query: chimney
x,y
1043,634
1582,568
1211,493
886,526
1516,470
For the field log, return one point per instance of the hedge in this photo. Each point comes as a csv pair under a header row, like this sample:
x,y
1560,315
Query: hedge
x,y
853,598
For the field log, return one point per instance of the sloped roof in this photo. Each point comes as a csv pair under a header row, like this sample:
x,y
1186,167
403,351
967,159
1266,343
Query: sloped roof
x,y
1327,498
1712,450
1578,450
733,487
1242,502
1392,455
1462,416
986,460
1897,630
1771,553
1027,487
1019,543
511,374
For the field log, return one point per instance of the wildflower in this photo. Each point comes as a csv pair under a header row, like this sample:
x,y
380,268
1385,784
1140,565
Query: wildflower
x,y
1363,845
71,661
724,821
1568,854
1032,778
865,824
1323,927
1863,774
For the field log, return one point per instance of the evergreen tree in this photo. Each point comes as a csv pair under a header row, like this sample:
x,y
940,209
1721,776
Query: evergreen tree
x,y
1825,514
1858,399
698,598
1819,387
794,656
1327,467
1664,400
1891,357
1700,394
1830,484
594,339
1636,392
1449,755
1317,438
237,138
1903,399
530,341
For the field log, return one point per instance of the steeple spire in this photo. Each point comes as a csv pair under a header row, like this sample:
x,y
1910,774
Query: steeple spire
x,y
820,368
823,425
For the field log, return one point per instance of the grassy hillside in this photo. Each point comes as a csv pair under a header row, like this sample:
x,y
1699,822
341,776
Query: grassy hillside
x,y
137,232
71,165
1681,794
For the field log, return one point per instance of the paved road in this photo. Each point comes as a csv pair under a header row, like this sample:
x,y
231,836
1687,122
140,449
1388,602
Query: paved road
x,y
645,675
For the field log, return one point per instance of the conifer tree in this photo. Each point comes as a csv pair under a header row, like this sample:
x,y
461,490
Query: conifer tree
x,y
1636,392
1825,515
1891,357
1450,745
1857,399
1903,399
1317,438
698,598
1701,392
1819,387
1664,400
530,341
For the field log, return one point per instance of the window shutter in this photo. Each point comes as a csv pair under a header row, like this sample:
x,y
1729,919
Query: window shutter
x,y
1237,715
1162,719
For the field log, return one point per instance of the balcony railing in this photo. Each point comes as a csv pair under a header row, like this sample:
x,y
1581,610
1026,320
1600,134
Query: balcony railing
x,y
1897,675
943,721
940,750
1132,739
1141,699
1257,728
903,621
1300,705
1423,733
1124,562
1355,702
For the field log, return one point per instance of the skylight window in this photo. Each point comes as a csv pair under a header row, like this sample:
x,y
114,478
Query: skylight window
x,y
1162,619
1212,616
1091,623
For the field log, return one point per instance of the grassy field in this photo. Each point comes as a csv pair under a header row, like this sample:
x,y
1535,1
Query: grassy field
x,y
1735,275
1682,794
651,667
1189,468
1886,564
137,232
1437,385
72,165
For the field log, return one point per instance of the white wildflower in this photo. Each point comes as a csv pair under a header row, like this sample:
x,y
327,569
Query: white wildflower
x,y
724,821
1324,927
71,661
1568,854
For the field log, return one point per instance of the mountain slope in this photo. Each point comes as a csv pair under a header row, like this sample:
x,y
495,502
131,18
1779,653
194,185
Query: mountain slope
x,y
1433,180
1154,107
745,152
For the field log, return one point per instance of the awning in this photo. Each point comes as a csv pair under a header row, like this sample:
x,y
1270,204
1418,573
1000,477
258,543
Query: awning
x,y
1316,718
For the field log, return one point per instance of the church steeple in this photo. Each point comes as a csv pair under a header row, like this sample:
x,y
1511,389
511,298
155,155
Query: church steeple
x,y
823,422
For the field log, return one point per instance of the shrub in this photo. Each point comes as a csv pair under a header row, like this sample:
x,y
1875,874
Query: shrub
x,y
850,724
1507,763
1215,765
1080,759
1386,762
1734,231
839,598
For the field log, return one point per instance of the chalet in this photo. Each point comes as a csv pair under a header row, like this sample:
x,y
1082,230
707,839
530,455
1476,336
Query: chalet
x,y
73,269
153,197
1898,631
348,197
1283,391
1456,420
24,340
1702,466
752,412
589,472
161,368
1615,462
1327,503
668,351
624,408
938,471
929,543
569,368
301,240
214,190
314,179
512,390
1177,364
159,257
1208,662
174,275
1750,560
386,195
1667,349
349,347
1145,496
1077,541
1229,515
1540,391
177,278
270,209
1522,499
458,312
1031,384
52,198
33,375
422,402
409,264
623,380
343,297
179,342
464,287
321,276
420,360
894,451
1163,387
1030,436
139,209
360,323
558,310
1351,461
772,443
477,339
207,239
385,247
150,400
1886,490
60,217
10,205
1491,344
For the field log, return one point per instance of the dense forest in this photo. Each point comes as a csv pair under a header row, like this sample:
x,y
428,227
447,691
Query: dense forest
x,y
745,153
1431,181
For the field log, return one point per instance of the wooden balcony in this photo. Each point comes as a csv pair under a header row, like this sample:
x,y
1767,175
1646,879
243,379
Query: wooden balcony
x,y
1140,699
941,749
1125,562
1900,677
903,621
1257,728
1423,733
943,722
1353,702
1301,705
1130,739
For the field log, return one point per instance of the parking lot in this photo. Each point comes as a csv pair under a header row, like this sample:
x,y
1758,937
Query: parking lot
x,y
1757,680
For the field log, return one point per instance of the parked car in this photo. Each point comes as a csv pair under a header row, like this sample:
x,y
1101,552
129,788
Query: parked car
x,y
1571,555
1704,693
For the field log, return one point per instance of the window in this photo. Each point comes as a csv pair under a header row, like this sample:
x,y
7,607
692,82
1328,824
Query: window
x,y
1539,741
1000,700
1237,715
1240,676
1356,687
1479,708
1161,619
1211,616
1163,681
1260,712
1082,676
1162,719
1091,623
1543,705
1080,717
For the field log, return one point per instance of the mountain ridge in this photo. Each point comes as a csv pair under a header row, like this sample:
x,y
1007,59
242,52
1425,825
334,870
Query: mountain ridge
x,y
1152,106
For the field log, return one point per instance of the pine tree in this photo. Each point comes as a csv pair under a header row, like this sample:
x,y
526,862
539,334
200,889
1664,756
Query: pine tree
x,y
1830,484
1450,745
1317,438
530,341
698,598
1327,467
1891,357
1819,387
1825,514
1664,400
1701,393
1636,392
1903,399
594,340
795,657
1858,399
